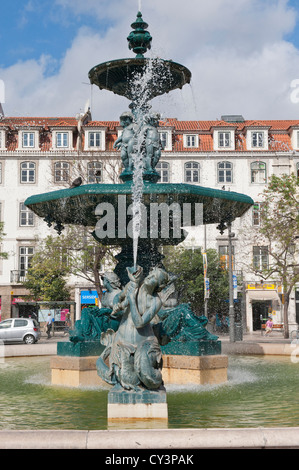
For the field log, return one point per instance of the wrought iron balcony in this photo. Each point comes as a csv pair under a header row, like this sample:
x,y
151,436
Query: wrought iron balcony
x,y
17,276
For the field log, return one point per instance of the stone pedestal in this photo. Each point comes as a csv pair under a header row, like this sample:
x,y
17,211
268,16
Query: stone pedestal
x,y
179,370
130,404
75,371
198,370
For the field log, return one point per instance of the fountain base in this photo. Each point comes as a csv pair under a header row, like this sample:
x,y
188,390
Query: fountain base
x,y
177,370
195,370
140,404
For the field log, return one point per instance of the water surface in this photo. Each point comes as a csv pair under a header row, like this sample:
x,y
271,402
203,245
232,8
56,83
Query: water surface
x,y
261,391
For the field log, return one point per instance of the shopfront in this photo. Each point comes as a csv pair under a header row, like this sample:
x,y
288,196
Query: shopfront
x,y
262,300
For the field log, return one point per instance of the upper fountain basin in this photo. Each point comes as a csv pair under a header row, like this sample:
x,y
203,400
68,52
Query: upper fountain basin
x,y
117,75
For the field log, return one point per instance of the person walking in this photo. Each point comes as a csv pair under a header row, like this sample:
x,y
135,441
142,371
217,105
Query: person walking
x,y
49,325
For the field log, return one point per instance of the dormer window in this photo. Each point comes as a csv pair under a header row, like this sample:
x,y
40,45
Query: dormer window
x,y
95,139
28,140
62,139
295,139
190,140
224,139
257,139
165,139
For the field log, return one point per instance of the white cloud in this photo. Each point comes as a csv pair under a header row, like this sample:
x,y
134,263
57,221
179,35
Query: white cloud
x,y
236,51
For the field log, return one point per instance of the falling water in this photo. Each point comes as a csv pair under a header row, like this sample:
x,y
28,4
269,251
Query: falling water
x,y
139,5
141,88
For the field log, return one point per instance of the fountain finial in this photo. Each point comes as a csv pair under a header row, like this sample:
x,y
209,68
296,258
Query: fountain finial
x,y
139,40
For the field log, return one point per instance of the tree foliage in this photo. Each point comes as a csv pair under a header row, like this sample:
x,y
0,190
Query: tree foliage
x,y
75,252
280,232
3,255
187,265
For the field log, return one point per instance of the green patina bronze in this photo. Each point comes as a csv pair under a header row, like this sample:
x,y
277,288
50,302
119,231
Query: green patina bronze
x,y
135,324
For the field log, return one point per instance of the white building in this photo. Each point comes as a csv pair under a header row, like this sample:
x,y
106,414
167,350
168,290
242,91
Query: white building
x,y
40,155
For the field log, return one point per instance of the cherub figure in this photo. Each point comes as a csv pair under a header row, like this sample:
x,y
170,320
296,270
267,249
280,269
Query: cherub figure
x,y
153,144
135,357
126,141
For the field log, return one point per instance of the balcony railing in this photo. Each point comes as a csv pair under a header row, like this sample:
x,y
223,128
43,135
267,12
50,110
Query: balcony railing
x,y
17,277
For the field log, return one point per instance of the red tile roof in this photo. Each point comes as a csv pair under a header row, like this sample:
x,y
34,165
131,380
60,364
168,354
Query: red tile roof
x,y
279,131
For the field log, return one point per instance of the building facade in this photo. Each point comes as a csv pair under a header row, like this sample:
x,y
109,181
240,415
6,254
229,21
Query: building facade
x,y
40,155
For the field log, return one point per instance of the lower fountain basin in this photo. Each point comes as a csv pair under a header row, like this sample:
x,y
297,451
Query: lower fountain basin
x,y
78,205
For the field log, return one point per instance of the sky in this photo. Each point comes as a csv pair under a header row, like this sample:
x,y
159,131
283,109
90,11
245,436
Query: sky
x,y
243,55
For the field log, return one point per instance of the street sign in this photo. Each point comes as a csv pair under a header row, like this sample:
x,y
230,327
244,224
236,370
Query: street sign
x,y
235,286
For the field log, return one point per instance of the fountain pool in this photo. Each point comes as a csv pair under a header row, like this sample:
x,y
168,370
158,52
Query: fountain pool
x,y
260,392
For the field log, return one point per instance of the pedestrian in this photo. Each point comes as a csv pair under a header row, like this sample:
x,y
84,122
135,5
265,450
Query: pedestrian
x,y
68,324
49,325
269,326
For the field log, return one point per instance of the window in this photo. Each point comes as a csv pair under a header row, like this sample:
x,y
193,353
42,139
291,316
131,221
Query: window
x,y
26,216
225,172
260,257
0,172
6,324
258,172
190,140
223,254
27,172
257,139
94,139
224,139
62,139
192,172
20,323
28,139
256,214
163,169
26,254
94,172
61,172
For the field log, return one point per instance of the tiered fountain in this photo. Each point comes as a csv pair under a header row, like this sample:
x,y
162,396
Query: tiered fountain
x,y
137,323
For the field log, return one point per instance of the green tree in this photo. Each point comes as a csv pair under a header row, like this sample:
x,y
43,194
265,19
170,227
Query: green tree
x,y
279,231
46,279
187,265
3,255
75,252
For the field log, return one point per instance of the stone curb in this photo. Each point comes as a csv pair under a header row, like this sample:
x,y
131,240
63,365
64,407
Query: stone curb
x,y
235,438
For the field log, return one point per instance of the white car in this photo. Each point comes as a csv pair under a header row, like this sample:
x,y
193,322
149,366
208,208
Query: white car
x,y
26,330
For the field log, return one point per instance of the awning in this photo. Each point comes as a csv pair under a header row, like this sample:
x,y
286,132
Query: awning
x,y
263,295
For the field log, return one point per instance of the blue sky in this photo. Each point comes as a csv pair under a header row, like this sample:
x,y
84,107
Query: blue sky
x,y
243,54
30,28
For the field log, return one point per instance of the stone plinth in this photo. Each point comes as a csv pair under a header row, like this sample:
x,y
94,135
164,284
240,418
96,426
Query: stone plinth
x,y
141,404
198,370
180,370
75,371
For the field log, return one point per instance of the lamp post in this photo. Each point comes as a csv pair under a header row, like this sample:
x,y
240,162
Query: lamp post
x,y
231,289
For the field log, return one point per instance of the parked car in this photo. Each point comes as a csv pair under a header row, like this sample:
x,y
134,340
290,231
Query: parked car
x,y
20,329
